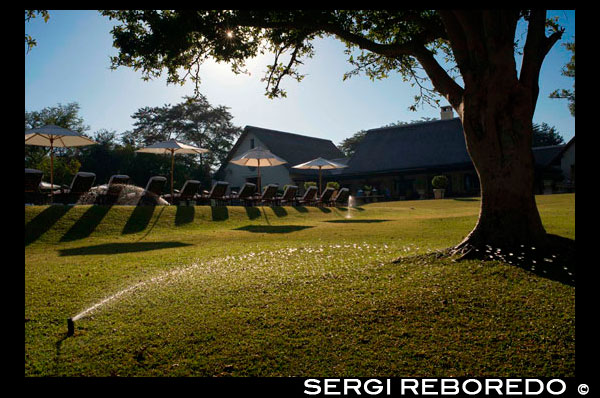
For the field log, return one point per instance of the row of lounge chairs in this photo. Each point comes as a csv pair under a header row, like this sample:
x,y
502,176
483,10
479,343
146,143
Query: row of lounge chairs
x,y
108,194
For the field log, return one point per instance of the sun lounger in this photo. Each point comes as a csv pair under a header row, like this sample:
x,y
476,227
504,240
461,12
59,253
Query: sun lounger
x,y
268,195
217,193
244,197
109,193
325,197
188,193
341,198
288,196
309,196
153,190
80,185
33,194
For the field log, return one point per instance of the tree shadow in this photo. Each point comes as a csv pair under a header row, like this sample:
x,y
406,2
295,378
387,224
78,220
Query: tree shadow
x,y
184,215
86,224
41,223
279,211
219,213
252,212
273,229
352,221
557,262
138,220
120,248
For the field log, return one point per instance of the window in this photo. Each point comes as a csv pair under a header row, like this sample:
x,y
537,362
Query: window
x,y
252,143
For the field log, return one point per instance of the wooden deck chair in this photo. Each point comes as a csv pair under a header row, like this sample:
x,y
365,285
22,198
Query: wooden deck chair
x,y
289,195
113,189
81,184
244,197
153,190
325,197
268,195
309,196
33,194
188,192
217,193
341,199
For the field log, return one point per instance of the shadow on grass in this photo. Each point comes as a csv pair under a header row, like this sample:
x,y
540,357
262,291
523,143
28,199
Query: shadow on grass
x,y
300,209
357,208
466,199
351,221
279,211
41,223
120,248
86,224
219,213
273,229
184,215
252,212
324,209
138,220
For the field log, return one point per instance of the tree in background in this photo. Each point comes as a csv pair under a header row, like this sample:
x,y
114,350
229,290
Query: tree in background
x,y
545,135
494,100
37,157
569,71
193,121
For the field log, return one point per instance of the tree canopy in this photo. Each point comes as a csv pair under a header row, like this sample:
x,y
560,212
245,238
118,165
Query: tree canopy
x,y
569,71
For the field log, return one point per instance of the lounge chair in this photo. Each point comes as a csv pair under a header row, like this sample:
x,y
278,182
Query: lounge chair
x,y
111,191
153,190
268,195
217,193
325,197
288,196
188,192
341,198
244,197
309,196
81,184
33,194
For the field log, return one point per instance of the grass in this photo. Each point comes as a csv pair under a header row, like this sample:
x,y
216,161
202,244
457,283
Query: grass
x,y
287,292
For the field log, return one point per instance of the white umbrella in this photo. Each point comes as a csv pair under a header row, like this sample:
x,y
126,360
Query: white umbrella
x,y
321,164
258,157
55,136
173,147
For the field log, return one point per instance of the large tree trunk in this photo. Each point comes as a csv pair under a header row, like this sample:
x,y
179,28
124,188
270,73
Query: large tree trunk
x,y
497,122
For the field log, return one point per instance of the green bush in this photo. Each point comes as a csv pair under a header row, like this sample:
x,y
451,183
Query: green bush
x,y
439,182
333,184
309,184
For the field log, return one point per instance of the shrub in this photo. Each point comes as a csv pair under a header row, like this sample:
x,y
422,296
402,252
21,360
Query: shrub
x,y
333,184
309,184
439,182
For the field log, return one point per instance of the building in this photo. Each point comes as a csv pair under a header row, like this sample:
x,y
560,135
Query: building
x,y
294,148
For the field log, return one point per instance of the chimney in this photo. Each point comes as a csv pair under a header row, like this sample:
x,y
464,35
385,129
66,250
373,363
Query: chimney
x,y
447,113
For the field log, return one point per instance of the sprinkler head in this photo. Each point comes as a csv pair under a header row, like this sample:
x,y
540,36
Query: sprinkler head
x,y
70,327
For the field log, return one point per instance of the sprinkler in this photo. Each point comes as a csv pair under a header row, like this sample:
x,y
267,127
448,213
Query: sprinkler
x,y
70,327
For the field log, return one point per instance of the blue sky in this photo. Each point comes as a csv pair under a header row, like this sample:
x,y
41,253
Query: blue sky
x,y
71,64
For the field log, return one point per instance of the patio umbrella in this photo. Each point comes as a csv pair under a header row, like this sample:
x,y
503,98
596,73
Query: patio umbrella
x,y
257,157
321,164
173,147
55,136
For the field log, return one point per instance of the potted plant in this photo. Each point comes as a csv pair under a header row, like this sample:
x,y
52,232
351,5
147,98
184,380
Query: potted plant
x,y
439,184
367,189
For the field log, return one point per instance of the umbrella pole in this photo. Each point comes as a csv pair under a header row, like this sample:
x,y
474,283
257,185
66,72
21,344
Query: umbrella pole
x,y
51,171
319,180
172,166
258,179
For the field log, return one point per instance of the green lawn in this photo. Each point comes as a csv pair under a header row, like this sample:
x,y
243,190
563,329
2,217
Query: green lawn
x,y
203,291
